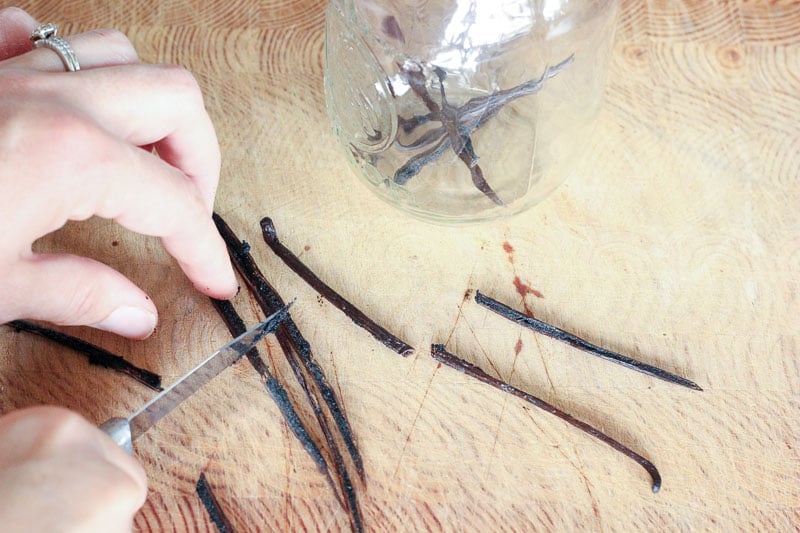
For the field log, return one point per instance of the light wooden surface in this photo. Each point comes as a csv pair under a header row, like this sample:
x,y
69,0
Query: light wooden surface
x,y
676,240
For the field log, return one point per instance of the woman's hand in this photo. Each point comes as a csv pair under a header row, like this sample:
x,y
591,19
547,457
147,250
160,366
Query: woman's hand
x,y
79,144
60,473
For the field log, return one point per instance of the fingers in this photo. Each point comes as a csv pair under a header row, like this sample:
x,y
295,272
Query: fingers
x,y
15,30
43,431
143,105
151,104
58,472
69,147
94,49
65,289
94,173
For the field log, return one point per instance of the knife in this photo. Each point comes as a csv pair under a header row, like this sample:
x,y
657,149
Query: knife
x,y
126,430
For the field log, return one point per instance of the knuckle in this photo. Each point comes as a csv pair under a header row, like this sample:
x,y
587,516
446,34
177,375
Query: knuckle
x,y
117,44
59,426
182,80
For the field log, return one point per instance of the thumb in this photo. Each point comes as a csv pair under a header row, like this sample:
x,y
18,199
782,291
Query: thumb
x,y
78,291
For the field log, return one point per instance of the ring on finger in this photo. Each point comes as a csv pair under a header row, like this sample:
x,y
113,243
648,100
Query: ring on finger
x,y
46,36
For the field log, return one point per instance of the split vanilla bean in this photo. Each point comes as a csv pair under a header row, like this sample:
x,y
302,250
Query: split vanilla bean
x,y
440,353
97,356
297,352
236,326
566,337
212,506
353,313
288,335
459,139
458,123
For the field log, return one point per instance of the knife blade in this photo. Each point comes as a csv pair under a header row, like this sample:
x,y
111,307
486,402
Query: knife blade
x,y
126,430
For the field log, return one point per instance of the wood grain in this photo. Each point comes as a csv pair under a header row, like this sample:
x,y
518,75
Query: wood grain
x,y
676,239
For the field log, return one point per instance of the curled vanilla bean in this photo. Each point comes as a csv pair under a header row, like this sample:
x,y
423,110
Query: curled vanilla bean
x,y
97,356
440,353
353,313
564,336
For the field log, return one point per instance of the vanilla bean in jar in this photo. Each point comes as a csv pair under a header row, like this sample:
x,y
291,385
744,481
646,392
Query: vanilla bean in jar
x,y
465,110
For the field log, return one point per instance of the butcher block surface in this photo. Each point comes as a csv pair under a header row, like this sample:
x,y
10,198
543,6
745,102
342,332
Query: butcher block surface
x,y
676,240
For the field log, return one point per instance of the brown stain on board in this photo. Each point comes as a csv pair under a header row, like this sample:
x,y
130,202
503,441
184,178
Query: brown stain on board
x,y
522,288
518,347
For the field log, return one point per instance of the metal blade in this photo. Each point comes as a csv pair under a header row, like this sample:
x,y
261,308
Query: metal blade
x,y
169,399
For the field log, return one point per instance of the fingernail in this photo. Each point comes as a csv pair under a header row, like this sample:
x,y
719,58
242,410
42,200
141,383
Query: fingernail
x,y
129,322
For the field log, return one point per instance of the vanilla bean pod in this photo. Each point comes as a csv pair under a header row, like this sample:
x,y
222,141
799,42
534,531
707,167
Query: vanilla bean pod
x,y
353,313
469,117
414,165
236,326
292,342
448,115
212,506
568,338
440,353
288,334
97,356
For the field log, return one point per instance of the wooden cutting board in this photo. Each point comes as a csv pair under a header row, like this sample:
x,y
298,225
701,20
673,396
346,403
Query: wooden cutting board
x,y
676,241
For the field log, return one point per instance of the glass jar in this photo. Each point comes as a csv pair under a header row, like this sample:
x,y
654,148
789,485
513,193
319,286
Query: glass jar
x,y
465,110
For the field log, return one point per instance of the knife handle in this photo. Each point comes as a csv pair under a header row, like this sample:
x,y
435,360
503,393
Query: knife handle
x,y
119,429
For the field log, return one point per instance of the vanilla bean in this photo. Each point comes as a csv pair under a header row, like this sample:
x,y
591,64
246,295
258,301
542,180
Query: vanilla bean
x,y
353,313
236,326
288,333
448,115
292,343
566,337
97,356
212,506
350,503
440,353
414,165
469,117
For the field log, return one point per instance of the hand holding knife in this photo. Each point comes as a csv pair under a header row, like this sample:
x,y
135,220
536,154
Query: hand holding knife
x,y
126,430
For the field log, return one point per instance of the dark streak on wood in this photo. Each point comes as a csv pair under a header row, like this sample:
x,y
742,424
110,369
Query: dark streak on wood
x,y
97,356
440,353
353,313
568,338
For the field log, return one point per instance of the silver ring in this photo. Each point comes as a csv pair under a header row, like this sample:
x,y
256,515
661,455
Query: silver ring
x,y
46,36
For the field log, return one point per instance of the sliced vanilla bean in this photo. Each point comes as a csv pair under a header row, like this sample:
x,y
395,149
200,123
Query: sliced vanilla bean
x,y
564,336
236,326
212,506
97,355
458,123
298,351
353,313
458,137
440,353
